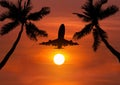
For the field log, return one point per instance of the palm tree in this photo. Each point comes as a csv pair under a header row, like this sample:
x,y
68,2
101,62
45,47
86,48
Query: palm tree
x,y
19,14
93,12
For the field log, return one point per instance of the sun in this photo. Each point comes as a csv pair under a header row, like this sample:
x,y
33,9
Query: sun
x,y
59,59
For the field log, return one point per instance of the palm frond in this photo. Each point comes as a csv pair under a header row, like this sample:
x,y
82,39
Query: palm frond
x,y
87,14
6,4
4,15
8,27
97,39
89,3
102,33
32,31
26,10
88,7
28,3
99,3
86,30
12,8
97,8
108,12
103,1
20,4
40,14
84,17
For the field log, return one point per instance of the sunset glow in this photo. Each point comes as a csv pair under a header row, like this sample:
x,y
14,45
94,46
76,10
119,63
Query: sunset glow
x,y
59,59
34,64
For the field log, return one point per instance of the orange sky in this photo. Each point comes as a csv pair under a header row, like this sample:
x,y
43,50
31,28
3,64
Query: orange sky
x,y
32,64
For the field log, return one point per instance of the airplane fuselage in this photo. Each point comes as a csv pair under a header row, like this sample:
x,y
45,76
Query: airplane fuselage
x,y
61,32
60,41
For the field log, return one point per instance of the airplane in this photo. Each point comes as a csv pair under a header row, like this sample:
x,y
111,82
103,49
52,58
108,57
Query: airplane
x,y
60,41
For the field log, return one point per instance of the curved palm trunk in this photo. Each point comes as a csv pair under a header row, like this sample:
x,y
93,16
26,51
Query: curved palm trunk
x,y
4,61
117,54
113,51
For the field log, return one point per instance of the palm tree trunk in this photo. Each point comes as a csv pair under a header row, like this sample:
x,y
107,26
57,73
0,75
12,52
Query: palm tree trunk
x,y
116,53
4,61
113,51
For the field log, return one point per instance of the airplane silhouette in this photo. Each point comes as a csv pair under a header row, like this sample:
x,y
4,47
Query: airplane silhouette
x,y
60,41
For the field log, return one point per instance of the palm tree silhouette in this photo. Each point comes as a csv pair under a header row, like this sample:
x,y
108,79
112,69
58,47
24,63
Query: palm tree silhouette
x,y
20,14
93,12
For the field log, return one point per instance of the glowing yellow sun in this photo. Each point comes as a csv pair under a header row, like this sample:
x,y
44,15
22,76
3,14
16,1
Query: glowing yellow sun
x,y
59,59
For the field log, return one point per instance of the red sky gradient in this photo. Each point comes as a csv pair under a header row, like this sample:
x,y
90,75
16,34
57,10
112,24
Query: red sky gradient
x,y
32,64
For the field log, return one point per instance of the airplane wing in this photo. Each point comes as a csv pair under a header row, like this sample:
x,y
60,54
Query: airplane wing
x,y
50,42
58,42
69,42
